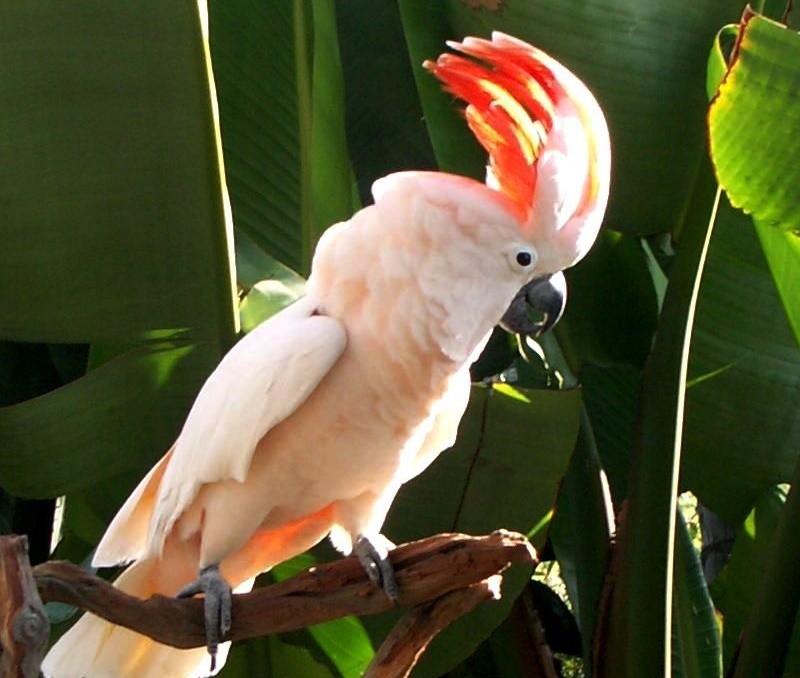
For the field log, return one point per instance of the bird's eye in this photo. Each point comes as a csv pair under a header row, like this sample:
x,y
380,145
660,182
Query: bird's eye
x,y
524,257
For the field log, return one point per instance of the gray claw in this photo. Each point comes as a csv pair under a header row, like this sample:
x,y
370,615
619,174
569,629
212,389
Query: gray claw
x,y
217,602
375,561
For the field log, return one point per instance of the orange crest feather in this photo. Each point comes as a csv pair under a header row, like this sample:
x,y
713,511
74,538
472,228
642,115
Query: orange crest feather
x,y
511,98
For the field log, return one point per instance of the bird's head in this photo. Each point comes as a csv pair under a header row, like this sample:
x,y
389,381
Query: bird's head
x,y
549,155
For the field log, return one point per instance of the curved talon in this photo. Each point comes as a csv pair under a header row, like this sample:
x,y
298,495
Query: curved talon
x,y
374,558
217,606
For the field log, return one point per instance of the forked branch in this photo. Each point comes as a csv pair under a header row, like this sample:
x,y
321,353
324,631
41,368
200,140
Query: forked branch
x,y
427,570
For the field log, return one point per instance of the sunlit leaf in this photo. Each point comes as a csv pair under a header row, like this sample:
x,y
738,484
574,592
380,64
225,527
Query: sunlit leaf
x,y
265,299
274,657
767,635
782,251
107,241
753,123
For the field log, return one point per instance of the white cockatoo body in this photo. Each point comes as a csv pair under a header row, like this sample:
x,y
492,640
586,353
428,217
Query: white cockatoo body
x,y
313,421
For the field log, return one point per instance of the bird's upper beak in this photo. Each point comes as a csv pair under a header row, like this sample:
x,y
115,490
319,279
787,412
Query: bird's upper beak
x,y
537,306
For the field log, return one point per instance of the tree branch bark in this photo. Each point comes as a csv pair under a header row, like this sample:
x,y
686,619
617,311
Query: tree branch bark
x,y
425,570
23,623
409,639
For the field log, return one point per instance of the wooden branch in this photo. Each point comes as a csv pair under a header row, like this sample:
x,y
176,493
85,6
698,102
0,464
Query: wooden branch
x,y
425,570
411,636
539,656
24,627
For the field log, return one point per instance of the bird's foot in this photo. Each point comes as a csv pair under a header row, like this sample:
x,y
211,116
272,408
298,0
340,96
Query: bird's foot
x,y
373,554
218,603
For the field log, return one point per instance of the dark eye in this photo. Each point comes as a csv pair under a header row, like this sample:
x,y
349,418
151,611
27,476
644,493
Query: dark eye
x,y
524,258
521,258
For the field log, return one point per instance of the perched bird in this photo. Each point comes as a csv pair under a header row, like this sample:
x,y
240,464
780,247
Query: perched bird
x,y
312,422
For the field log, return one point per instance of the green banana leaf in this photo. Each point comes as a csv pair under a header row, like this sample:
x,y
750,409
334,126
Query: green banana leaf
x,y
344,642
611,395
766,638
752,125
581,533
275,657
114,232
782,251
734,589
281,104
742,395
639,625
737,393
115,235
696,643
386,131
612,305
753,122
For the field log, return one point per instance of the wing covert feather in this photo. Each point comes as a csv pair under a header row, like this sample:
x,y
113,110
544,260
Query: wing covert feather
x,y
258,384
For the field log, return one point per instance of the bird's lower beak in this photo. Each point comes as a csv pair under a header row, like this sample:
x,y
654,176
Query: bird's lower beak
x,y
537,306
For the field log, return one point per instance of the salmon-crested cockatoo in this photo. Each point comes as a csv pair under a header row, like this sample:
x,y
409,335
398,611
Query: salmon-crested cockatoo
x,y
313,421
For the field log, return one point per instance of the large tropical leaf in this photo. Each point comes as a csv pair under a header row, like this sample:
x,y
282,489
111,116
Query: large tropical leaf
x,y
610,395
112,202
282,113
764,645
744,372
581,533
782,252
344,641
612,306
274,657
78,436
696,645
639,631
753,123
733,589
752,128
385,128
114,231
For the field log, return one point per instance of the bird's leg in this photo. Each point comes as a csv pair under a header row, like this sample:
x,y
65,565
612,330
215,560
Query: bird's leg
x,y
373,554
217,594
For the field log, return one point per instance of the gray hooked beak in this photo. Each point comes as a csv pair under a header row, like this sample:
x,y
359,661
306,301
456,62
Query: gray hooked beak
x,y
537,306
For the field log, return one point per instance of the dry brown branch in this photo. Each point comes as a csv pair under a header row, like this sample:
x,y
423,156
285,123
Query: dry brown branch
x,y
24,627
538,652
426,570
413,633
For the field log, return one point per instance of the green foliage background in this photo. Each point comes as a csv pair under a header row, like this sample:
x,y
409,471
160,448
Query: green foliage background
x,y
145,205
